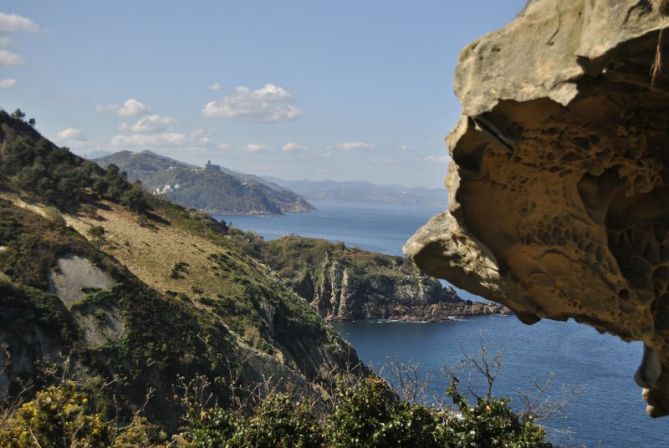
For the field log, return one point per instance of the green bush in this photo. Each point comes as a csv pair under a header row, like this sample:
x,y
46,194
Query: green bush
x,y
371,415
279,422
368,414
53,215
57,417
489,424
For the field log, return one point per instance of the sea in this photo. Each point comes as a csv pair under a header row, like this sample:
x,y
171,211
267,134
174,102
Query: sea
x,y
590,372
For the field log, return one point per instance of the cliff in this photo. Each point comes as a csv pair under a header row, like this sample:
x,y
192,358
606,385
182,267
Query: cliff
x,y
212,189
343,283
108,286
558,185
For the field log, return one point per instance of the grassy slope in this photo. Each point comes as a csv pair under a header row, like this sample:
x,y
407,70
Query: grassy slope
x,y
222,309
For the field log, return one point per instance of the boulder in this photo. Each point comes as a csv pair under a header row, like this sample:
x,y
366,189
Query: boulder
x,y
559,180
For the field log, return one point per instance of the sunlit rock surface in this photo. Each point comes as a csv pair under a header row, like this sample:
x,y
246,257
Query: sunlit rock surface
x,y
559,184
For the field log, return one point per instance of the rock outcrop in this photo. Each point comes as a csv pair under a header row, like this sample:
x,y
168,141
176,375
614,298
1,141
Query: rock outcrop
x,y
344,284
559,186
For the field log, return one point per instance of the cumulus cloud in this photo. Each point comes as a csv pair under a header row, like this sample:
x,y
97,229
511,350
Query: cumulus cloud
x,y
107,107
255,148
132,107
215,87
10,23
269,104
201,136
6,83
9,58
149,123
68,134
353,146
144,140
294,147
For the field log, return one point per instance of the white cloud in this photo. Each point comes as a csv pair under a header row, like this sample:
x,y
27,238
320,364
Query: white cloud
x,y
254,148
353,146
10,23
294,147
438,159
73,138
108,107
150,123
268,104
6,83
132,107
9,58
215,87
225,147
159,139
201,136
68,134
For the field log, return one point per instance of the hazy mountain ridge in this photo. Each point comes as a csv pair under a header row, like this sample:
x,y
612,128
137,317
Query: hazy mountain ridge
x,y
211,188
365,192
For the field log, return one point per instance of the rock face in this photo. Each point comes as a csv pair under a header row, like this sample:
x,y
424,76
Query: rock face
x,y
559,184
343,283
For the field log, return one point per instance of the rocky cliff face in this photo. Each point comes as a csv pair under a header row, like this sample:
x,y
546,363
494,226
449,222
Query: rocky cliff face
x,y
350,284
559,183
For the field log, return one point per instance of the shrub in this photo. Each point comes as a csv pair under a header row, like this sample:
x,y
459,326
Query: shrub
x,y
140,433
370,415
207,427
59,416
53,215
489,424
134,199
98,236
280,421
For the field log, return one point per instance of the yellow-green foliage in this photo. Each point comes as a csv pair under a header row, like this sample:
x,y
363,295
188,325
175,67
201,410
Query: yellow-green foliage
x,y
367,414
57,417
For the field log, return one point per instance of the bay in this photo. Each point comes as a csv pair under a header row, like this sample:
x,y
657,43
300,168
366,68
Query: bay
x,y
608,412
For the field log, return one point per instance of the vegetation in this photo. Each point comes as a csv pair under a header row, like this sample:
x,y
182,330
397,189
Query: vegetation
x,y
367,414
32,164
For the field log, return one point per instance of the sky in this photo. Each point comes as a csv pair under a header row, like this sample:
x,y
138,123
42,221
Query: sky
x,y
296,89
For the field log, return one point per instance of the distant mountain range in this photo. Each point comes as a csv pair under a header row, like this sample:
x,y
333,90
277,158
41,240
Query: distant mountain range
x,y
365,192
210,188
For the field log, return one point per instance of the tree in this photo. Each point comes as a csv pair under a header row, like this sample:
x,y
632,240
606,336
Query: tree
x,y
134,199
18,114
97,234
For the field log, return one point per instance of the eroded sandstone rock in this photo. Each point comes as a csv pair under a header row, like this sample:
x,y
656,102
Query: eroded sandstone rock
x,y
559,184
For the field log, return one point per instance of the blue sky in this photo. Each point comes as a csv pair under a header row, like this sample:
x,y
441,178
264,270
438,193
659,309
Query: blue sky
x,y
316,89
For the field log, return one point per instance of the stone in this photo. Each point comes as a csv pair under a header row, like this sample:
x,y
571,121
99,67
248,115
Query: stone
x,y
559,180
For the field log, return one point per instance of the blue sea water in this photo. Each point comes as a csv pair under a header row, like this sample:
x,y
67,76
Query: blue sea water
x,y
608,412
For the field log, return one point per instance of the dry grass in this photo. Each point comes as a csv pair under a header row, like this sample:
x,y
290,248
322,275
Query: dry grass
x,y
138,247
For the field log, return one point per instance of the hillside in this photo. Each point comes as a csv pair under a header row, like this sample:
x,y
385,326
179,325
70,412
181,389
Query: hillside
x,y
343,283
212,188
365,192
106,285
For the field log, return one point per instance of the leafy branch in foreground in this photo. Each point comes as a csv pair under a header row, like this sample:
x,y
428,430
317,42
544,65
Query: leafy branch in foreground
x,y
351,412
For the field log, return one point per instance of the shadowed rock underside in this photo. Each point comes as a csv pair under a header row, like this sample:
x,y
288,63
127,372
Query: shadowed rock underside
x,y
559,183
